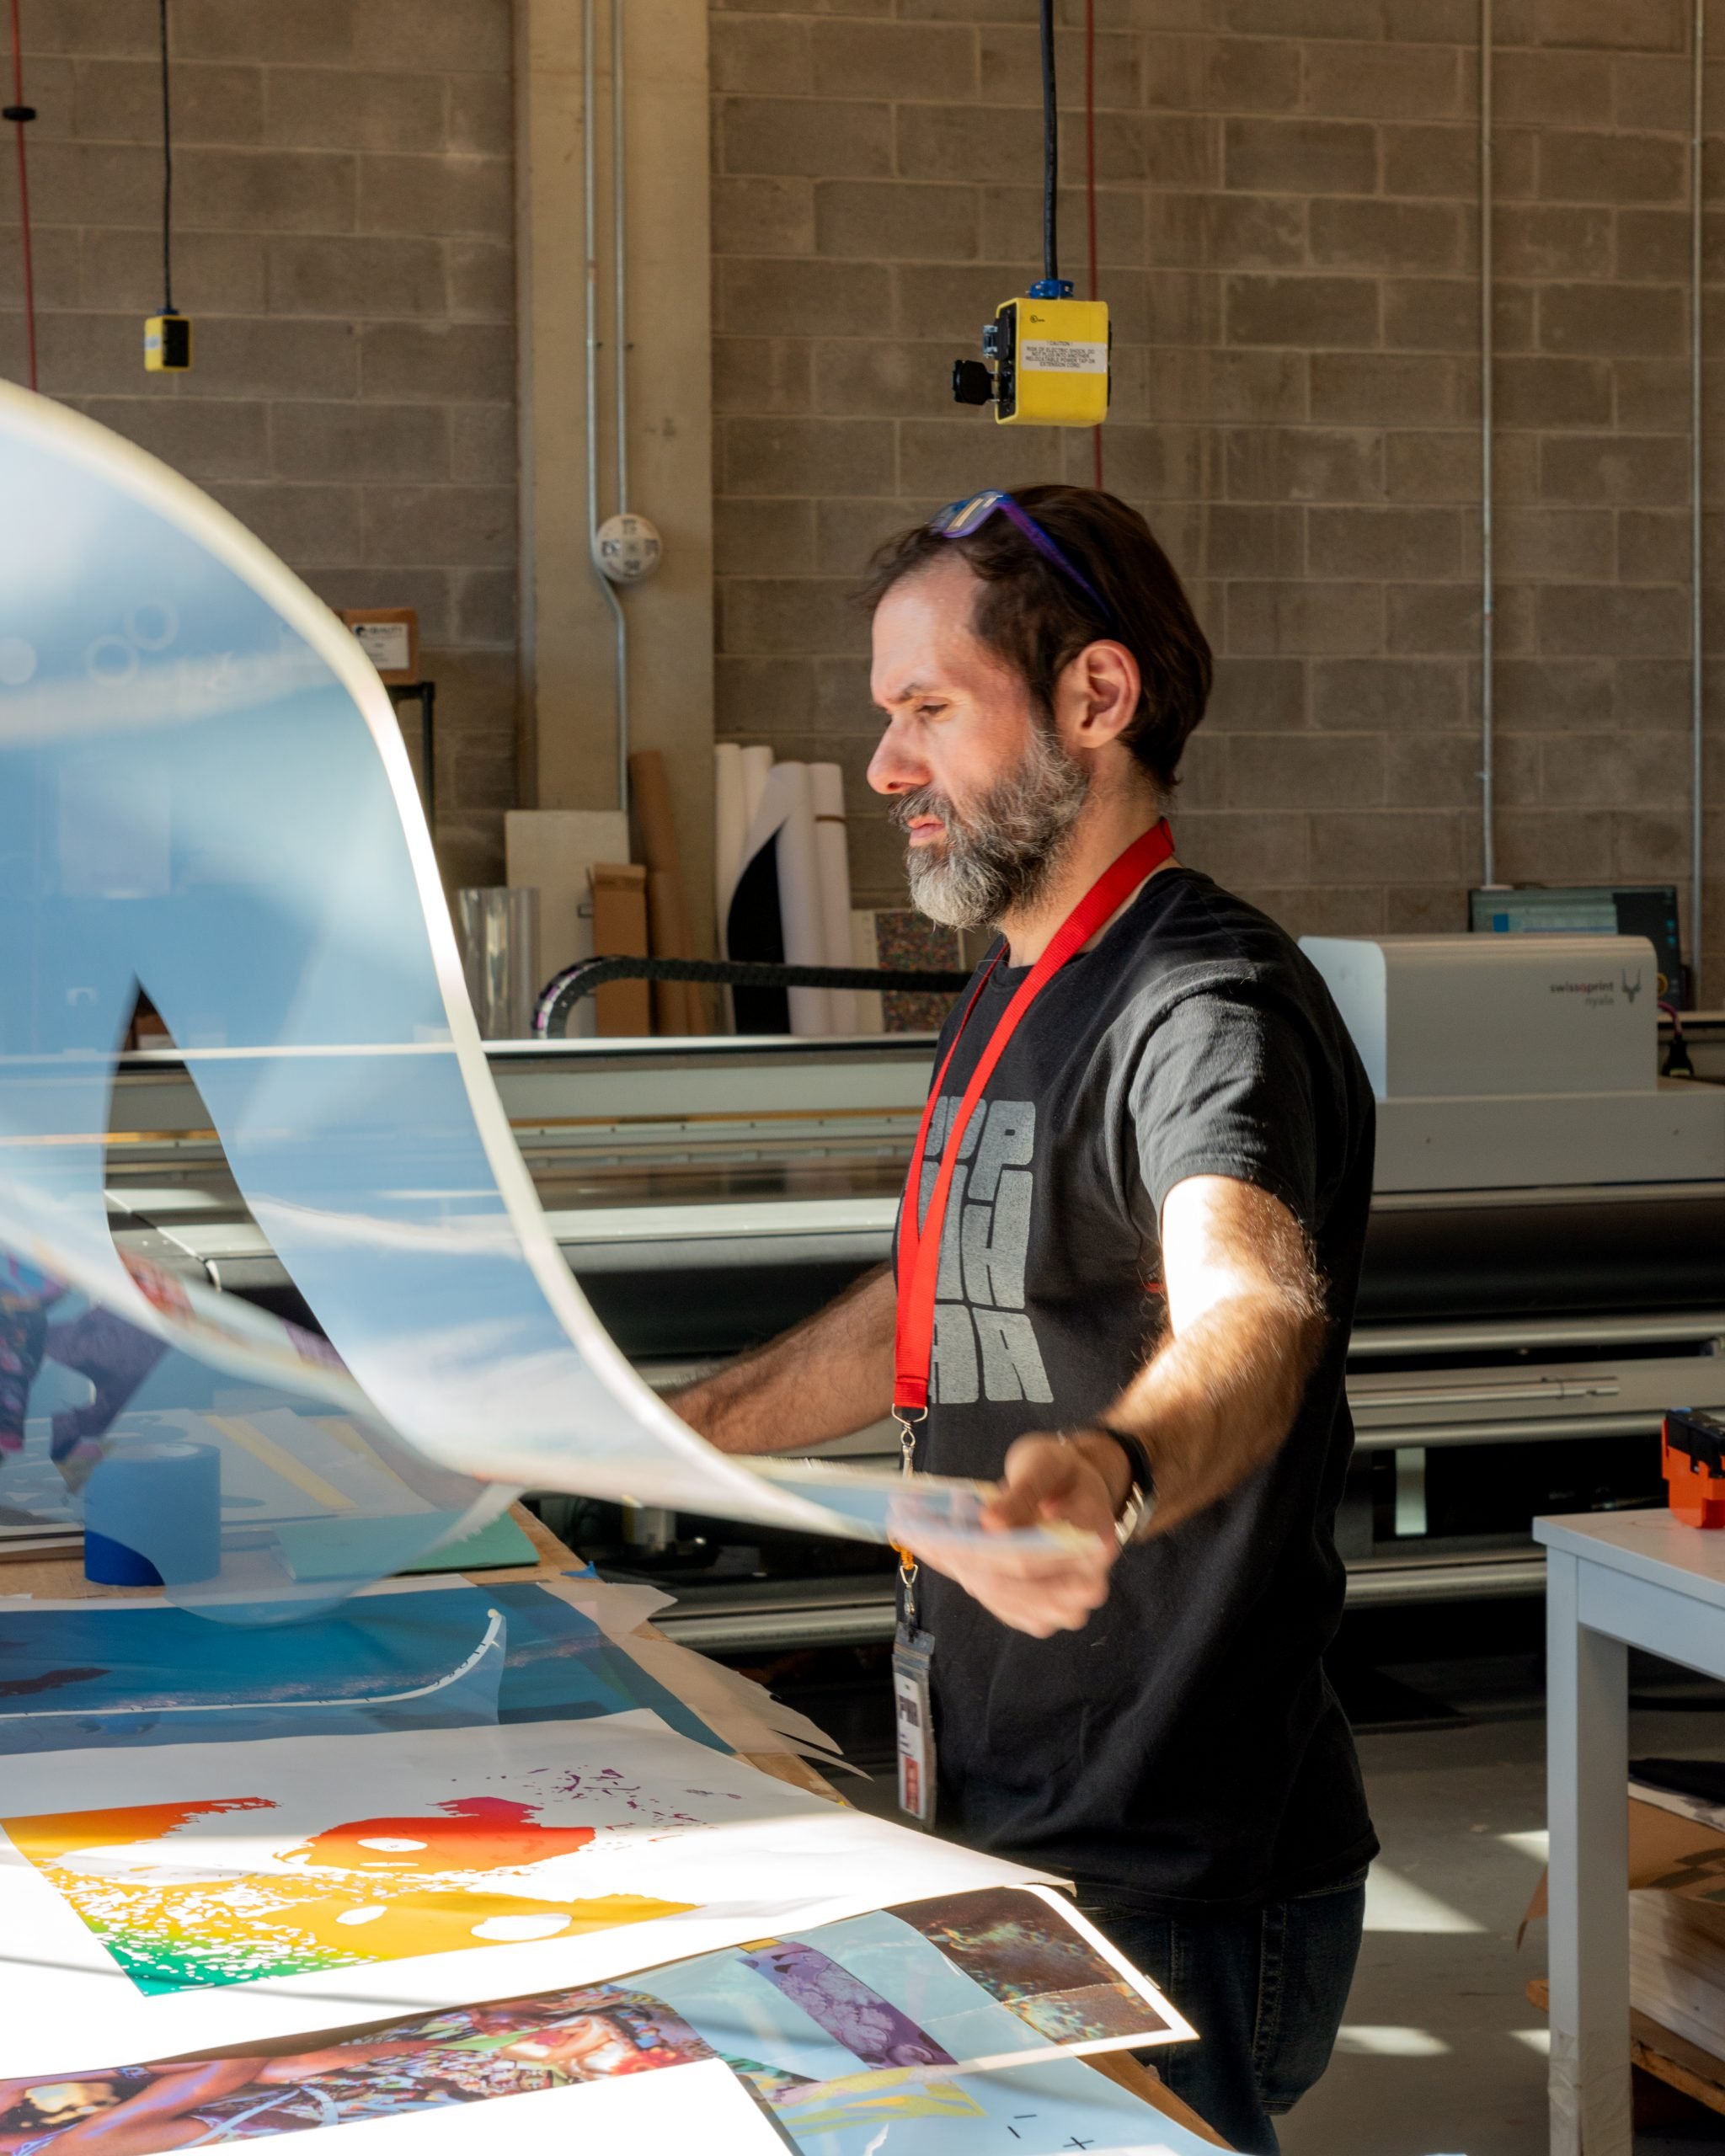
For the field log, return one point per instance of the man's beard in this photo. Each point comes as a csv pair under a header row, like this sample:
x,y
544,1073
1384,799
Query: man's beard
x,y
1000,854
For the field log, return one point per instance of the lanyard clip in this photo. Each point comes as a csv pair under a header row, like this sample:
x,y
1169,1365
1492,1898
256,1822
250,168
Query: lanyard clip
x,y
907,1418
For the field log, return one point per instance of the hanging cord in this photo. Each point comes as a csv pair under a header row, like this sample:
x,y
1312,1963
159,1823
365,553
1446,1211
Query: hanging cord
x,y
21,115
1050,149
167,306
1090,185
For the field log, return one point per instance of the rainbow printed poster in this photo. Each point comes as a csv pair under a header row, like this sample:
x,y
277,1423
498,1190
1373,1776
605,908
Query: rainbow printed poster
x,y
241,1892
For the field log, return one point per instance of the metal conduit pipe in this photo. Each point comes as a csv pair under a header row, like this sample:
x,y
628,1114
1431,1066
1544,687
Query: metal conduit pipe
x,y
1487,624
1697,693
590,163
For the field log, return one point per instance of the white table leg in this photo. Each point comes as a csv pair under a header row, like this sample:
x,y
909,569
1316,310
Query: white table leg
x,y
1587,1710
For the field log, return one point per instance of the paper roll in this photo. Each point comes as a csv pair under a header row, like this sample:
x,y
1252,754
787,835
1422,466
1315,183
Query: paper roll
x,y
756,763
826,785
730,828
775,911
678,1006
871,1013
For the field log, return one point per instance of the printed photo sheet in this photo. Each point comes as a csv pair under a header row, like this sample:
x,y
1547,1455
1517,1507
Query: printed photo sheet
x,y
881,2019
238,1892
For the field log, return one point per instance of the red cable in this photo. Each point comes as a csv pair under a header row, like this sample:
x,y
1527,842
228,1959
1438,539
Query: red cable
x,y
1089,174
23,195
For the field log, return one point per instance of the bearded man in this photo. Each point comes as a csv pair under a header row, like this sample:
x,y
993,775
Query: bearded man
x,y
1143,1256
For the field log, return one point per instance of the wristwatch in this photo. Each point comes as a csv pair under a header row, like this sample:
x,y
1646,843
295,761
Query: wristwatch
x,y
1141,1497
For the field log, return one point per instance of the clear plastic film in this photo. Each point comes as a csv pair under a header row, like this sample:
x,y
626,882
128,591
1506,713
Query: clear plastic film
x,y
204,792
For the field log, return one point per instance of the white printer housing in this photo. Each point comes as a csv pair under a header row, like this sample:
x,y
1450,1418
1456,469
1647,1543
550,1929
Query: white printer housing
x,y
1506,1062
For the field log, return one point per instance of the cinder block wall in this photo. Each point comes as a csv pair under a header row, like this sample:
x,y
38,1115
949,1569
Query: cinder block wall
x,y
1289,239
343,218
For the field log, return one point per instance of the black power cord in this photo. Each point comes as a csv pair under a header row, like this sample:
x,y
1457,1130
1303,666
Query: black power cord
x,y
167,306
1050,149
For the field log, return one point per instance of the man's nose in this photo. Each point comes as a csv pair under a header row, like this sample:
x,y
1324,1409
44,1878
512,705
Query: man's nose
x,y
896,766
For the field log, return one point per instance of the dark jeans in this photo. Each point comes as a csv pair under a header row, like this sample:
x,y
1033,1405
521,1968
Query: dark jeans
x,y
1264,1989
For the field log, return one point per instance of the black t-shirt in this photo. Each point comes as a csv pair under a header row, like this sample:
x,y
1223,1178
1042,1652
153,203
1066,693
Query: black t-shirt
x,y
1185,1747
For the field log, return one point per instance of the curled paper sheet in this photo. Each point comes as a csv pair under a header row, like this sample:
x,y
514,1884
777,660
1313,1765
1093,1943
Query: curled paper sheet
x,y
203,790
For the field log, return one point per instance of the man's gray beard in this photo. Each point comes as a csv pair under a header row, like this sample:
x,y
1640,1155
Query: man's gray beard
x,y
1001,855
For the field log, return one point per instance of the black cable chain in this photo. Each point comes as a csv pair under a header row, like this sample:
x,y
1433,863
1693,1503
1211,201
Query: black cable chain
x,y
562,994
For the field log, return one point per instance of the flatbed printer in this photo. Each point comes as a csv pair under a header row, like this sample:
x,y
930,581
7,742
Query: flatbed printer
x,y
1545,1273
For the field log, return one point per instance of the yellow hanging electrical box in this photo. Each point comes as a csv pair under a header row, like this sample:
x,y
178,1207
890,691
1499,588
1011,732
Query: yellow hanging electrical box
x,y
168,344
1051,363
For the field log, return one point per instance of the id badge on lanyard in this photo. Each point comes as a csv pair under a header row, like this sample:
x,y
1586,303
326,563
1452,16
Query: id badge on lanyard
x,y
920,1239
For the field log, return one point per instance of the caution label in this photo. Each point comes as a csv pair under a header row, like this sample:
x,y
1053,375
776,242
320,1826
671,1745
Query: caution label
x,y
1049,356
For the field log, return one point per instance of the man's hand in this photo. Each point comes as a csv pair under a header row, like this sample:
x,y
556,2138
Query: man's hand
x,y
1082,1480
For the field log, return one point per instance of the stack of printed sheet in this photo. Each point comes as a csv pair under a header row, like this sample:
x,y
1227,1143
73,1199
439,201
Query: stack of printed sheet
x,y
670,1949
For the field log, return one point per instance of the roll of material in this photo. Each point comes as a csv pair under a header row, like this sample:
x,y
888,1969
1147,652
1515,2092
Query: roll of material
x,y
826,786
152,1514
775,911
730,828
756,763
871,1014
677,1006
498,929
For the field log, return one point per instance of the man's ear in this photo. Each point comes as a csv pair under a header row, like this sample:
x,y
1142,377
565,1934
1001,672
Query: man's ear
x,y
1098,695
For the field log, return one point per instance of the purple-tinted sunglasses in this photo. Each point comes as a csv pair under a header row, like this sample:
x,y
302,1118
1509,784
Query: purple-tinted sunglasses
x,y
959,519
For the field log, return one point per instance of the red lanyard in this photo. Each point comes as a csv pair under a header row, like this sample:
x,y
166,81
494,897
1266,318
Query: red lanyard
x,y
919,1244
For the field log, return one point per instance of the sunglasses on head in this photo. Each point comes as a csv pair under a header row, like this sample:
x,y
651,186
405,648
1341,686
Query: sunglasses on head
x,y
959,519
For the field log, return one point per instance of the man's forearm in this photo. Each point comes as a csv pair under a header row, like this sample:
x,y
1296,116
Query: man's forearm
x,y
1214,1403
822,1379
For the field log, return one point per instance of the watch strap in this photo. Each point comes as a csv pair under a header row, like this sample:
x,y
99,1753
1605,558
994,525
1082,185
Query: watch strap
x,y
1141,1497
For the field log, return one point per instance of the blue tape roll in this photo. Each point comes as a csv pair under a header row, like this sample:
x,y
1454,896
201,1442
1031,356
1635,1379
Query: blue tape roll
x,y
152,1514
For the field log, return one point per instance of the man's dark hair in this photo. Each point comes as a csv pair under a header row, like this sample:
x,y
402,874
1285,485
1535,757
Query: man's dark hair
x,y
1032,615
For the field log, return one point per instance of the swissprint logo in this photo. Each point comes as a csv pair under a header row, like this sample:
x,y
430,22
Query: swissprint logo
x,y
1596,994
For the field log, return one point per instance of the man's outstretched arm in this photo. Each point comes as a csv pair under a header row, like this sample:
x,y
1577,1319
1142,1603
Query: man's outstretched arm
x,y
825,1378
1210,1406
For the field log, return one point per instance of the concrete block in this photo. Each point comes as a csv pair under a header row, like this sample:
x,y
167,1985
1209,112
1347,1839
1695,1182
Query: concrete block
x,y
456,527
1551,694
1304,464
762,538
360,277
280,358
264,191
112,27
1433,465
1545,392
107,183
487,607
484,446
120,101
761,374
768,298
1441,770
1655,93
1305,619
1236,849
1649,26
1538,544
321,31
1241,540
212,438
1299,157
1318,314
957,142
827,138
756,697
1384,542
1383,82
1220,74
790,614
1653,247
1349,234
340,108
1653,692
899,60
1538,240
763,217
310,525
1640,322
1434,161
480,118
761,55
436,195
1306,770
454,35
481,278
1365,388
350,441
1595,167
1222,384
1410,844
1011,224
941,459
1645,469
890,379
1431,314
1010,57
1180,150
896,221
1257,695
469,361
826,456
1228,231
214,273
1388,695
1423,21
1653,546
1565,89
54,257
428,591
1611,620
1616,771
846,534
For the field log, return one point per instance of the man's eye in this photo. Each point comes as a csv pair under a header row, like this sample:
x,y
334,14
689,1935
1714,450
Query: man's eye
x,y
930,711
